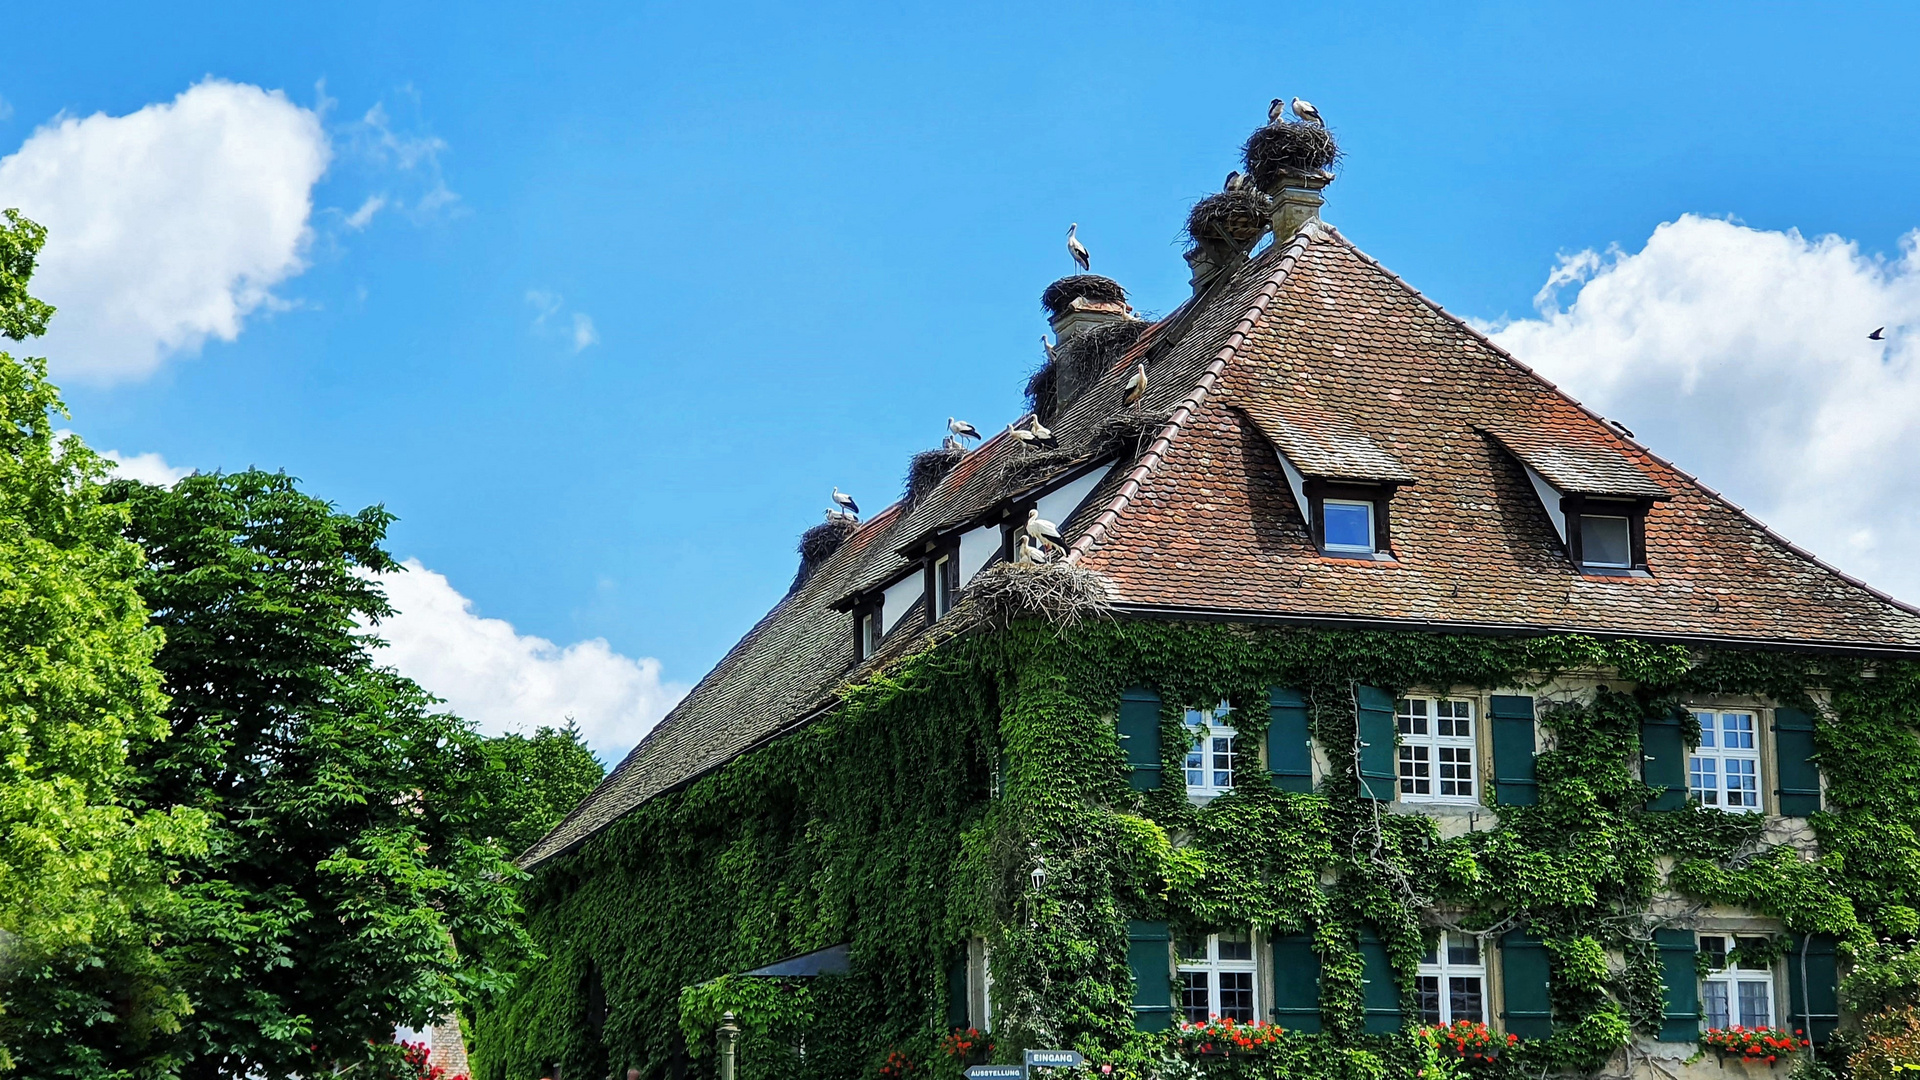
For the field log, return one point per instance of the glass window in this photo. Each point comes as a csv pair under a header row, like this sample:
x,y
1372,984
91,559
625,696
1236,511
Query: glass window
x,y
1436,750
1724,770
1212,756
1347,525
1605,541
1217,978
1452,979
1734,994
869,633
942,591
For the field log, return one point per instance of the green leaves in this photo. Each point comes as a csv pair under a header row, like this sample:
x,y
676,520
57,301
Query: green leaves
x,y
21,316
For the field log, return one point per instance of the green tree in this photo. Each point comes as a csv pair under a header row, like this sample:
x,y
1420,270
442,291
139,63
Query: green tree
x,y
531,782
350,881
80,870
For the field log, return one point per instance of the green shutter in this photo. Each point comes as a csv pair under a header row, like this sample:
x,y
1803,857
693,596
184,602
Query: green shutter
x,y
1818,971
1799,790
1524,972
1663,750
957,1008
1511,718
1289,757
1382,992
1680,1005
1296,984
1140,736
1150,959
1373,712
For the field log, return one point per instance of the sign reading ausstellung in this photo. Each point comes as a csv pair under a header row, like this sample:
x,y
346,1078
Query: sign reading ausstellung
x,y
1055,1059
997,1072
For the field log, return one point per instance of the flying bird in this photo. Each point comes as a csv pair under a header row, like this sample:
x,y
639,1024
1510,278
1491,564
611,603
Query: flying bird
x,y
1305,111
1041,434
1236,181
845,502
1136,387
1077,249
1277,112
1041,529
962,429
1878,335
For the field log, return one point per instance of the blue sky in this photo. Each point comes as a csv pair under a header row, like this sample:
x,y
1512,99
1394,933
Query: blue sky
x,y
603,299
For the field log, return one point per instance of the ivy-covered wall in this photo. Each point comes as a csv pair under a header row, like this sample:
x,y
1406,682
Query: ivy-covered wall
x,y
915,814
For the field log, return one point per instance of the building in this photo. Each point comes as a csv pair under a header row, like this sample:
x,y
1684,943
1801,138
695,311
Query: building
x,y
1382,685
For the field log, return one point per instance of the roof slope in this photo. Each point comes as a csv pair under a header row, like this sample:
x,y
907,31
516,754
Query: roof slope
x,y
1214,526
1348,367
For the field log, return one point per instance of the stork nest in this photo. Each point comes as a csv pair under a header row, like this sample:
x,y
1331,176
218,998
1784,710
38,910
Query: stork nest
x,y
1278,152
1060,593
927,469
1122,433
819,543
1078,361
1239,217
1058,297
1019,471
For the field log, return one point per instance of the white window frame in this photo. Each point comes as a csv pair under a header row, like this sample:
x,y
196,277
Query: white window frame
x,y
1451,760
1711,763
1372,527
1586,558
1728,981
1213,965
942,591
871,633
1440,966
1207,728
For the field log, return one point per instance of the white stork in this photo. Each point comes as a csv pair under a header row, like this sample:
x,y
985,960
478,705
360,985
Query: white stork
x,y
960,429
1041,434
1305,111
1136,387
845,502
1028,553
1077,249
1021,434
1236,181
1041,529
1277,112
1047,345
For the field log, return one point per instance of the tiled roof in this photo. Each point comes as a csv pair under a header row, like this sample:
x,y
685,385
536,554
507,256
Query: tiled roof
x,y
1314,348
1577,468
1323,445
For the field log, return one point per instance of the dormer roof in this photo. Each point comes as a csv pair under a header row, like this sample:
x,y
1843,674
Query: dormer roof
x,y
1577,466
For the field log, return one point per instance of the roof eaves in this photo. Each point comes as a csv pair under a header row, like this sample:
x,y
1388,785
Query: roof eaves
x,y
1182,412
1616,431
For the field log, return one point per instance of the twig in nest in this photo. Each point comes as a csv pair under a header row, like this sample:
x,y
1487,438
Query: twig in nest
x,y
1122,432
927,469
1236,217
1278,152
819,543
1020,468
1063,594
1093,288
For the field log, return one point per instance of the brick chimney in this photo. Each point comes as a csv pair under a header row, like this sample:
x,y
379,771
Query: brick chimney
x,y
1298,202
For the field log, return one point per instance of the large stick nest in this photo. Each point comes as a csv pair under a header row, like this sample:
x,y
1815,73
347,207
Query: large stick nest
x,y
1125,432
1058,297
1236,217
1078,361
819,543
1278,152
927,469
1062,594
1022,467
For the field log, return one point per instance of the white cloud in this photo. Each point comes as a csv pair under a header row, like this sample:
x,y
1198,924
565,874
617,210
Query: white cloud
x,y
363,217
148,468
374,141
580,331
168,226
1742,355
6,109
508,681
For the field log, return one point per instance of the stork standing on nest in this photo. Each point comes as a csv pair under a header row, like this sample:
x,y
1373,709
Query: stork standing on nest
x,y
960,429
1043,531
845,502
1305,111
1077,249
1022,434
1028,553
1041,434
1136,387
1047,345
1276,112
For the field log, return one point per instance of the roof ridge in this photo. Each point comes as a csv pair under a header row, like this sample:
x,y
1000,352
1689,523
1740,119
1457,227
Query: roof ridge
x,y
1182,412
1615,432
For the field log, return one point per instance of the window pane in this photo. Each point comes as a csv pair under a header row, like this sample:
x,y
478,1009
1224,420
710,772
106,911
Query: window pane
x,y
1464,999
1736,731
1456,771
1222,762
1416,772
1196,768
1235,946
1713,999
1715,948
1703,773
1194,999
1753,1005
1463,950
1349,525
1236,996
1705,720
1743,786
1193,948
1426,990
1605,541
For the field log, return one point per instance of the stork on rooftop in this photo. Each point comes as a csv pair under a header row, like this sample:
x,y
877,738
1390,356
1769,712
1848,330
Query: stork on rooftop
x,y
1077,249
1039,528
1041,433
960,429
1021,434
845,502
1136,387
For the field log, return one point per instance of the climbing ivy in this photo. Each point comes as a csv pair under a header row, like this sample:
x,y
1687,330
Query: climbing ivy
x,y
918,811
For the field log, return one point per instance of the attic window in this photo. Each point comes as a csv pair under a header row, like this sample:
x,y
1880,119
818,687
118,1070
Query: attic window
x,y
1349,521
942,582
869,631
1341,479
1596,496
1347,525
1607,541
1606,537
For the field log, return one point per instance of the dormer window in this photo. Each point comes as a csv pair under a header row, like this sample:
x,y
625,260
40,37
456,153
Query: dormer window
x,y
1606,541
869,631
1341,479
1347,525
943,582
1595,495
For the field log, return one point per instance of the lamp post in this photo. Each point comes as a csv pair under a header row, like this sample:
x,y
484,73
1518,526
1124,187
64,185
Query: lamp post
x,y
729,1044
